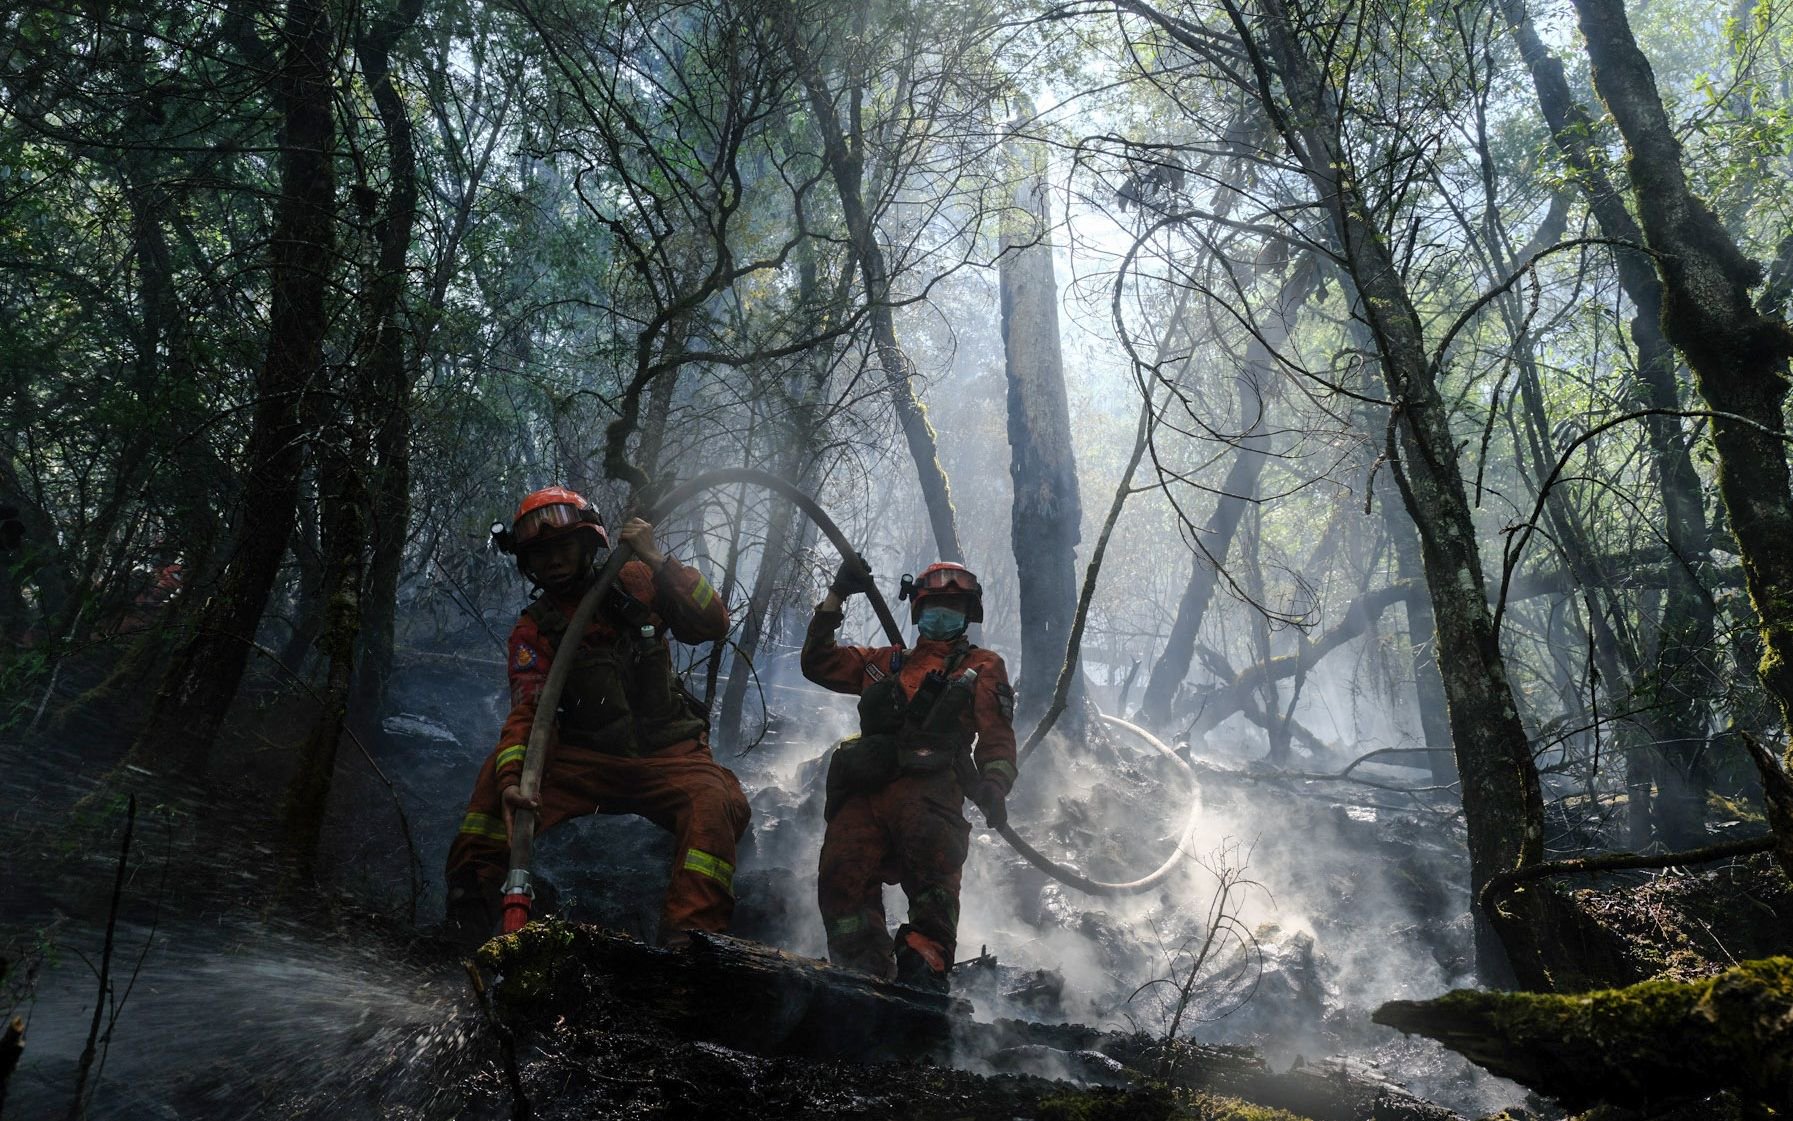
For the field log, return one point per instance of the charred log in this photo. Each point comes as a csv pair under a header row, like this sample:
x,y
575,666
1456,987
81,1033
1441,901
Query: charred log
x,y
580,979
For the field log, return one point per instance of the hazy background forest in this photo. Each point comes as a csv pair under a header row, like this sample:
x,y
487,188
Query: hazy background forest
x,y
1384,401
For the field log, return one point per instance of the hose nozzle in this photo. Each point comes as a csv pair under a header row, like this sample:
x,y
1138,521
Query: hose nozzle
x,y
519,897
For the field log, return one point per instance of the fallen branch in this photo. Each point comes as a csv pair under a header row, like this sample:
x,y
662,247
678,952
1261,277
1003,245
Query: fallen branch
x,y
1211,707
1067,671
1619,862
78,1108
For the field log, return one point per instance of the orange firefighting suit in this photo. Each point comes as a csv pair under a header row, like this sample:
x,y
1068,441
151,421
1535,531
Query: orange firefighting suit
x,y
627,741
910,831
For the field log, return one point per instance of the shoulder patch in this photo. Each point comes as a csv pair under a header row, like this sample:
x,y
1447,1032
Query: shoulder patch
x,y
1005,701
524,657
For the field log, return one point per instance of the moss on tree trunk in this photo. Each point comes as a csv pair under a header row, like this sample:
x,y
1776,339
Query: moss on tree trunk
x,y
1648,1044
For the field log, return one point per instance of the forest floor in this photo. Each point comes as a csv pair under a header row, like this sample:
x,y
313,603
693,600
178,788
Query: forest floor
x,y
237,992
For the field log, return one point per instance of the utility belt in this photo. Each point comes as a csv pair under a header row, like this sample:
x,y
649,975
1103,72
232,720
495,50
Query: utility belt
x,y
867,764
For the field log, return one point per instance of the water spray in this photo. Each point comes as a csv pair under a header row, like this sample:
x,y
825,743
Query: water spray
x,y
518,892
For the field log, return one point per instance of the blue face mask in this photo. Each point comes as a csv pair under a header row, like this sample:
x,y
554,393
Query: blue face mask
x,y
940,622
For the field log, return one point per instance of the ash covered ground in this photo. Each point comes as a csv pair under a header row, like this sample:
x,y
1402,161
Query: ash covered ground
x,y
239,992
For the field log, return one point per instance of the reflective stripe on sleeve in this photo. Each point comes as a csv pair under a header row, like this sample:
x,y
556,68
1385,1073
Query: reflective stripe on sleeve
x,y
512,754
484,825
1001,767
702,593
718,869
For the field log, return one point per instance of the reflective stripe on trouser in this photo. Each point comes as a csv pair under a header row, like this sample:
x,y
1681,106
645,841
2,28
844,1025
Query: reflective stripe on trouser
x,y
680,788
706,864
909,833
1000,767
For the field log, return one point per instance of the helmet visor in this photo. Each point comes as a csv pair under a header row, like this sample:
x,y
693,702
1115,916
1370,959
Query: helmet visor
x,y
543,519
947,580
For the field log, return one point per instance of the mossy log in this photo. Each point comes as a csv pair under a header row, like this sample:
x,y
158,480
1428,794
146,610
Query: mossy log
x,y
1646,1045
764,1001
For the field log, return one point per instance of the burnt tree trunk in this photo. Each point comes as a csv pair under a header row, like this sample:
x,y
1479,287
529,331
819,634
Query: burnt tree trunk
x,y
389,368
344,501
1738,355
774,555
1254,381
843,151
737,526
659,407
782,533
1422,638
202,680
1046,515
1502,802
30,557
651,448
364,475
1683,676
1251,542
307,584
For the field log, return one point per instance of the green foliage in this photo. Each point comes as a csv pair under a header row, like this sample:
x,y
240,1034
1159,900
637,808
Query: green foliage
x,y
1150,1103
22,958
22,679
535,964
1154,1103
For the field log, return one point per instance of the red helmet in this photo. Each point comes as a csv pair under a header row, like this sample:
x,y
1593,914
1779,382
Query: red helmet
x,y
546,514
944,578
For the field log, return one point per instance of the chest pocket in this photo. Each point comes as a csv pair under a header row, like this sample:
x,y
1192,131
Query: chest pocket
x,y
594,709
899,733
883,705
621,697
938,731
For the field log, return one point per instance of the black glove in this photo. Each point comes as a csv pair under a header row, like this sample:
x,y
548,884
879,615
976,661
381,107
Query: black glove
x,y
989,797
852,577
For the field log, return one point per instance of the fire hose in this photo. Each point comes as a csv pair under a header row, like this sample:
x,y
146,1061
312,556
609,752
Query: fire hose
x,y
518,889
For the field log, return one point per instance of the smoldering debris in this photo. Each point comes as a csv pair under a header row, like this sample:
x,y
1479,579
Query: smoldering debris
x,y
1084,1067
1349,911
577,993
1058,955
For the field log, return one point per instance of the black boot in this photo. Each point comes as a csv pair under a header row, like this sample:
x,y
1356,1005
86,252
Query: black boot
x,y
919,963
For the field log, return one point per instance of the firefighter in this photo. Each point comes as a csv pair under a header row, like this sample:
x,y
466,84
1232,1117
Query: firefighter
x,y
628,739
896,791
